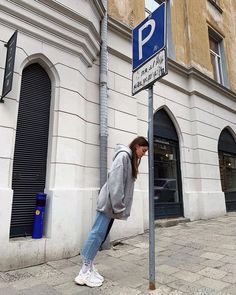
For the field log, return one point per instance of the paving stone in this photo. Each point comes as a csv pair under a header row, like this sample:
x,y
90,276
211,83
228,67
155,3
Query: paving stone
x,y
61,264
184,286
138,251
134,241
143,245
213,284
42,271
175,247
231,290
213,263
229,259
193,267
195,245
212,273
114,274
76,259
187,250
197,253
39,290
57,279
142,261
25,283
164,278
117,253
163,290
212,255
123,290
230,278
187,276
167,252
229,268
8,291
71,271
130,257
15,275
161,244
70,288
132,281
159,249
206,291
167,269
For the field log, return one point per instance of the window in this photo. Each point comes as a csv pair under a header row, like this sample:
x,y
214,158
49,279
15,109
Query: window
x,y
215,54
216,4
150,6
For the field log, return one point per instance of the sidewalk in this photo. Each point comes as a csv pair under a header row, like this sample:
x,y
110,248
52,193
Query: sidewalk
x,y
191,258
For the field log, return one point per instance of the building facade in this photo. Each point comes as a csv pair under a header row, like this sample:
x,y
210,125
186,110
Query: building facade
x,y
50,119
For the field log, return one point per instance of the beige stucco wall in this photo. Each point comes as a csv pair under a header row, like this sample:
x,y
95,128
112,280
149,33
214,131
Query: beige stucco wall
x,y
190,35
130,12
190,21
229,29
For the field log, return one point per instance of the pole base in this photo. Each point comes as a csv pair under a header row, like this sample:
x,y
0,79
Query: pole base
x,y
152,286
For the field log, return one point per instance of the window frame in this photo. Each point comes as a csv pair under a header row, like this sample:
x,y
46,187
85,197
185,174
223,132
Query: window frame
x,y
217,69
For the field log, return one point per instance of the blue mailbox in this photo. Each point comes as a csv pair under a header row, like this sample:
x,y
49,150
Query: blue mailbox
x,y
39,215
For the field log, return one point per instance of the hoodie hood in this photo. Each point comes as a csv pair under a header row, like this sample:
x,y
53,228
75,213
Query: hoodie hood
x,y
122,148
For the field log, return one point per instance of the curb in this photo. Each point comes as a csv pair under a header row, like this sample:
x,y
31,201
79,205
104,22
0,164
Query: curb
x,y
167,222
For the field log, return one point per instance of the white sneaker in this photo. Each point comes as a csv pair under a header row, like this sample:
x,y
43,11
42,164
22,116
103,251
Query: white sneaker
x,y
89,278
97,274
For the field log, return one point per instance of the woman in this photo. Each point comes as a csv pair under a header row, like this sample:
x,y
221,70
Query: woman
x,y
114,202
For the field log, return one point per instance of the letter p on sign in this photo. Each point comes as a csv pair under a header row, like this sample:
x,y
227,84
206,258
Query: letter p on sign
x,y
141,41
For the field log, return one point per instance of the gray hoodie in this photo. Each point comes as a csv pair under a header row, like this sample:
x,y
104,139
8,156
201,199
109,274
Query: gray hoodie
x,y
116,196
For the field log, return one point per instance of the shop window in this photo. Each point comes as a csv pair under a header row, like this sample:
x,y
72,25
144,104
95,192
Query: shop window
x,y
228,172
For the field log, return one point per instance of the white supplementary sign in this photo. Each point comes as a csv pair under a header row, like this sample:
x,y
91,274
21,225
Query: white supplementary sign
x,y
149,72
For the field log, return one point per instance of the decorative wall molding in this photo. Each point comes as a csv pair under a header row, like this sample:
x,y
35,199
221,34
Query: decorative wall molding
x,y
120,28
194,73
55,24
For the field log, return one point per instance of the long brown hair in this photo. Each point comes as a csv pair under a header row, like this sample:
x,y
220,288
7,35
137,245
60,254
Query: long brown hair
x,y
135,161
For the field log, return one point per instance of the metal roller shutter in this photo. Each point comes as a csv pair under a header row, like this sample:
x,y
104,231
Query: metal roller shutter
x,y
30,157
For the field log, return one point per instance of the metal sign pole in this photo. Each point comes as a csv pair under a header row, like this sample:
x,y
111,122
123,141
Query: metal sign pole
x,y
151,193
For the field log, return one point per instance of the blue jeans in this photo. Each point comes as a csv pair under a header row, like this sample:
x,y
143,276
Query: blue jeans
x,y
96,237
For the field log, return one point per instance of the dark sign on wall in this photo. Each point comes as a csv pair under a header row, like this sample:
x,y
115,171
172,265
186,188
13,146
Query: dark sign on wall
x,y
9,66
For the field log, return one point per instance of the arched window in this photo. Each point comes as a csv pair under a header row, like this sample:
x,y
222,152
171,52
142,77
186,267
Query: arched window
x,y
167,174
31,144
227,163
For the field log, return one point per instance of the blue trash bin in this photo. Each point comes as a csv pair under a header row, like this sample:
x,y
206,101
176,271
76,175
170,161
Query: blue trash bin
x,y
39,215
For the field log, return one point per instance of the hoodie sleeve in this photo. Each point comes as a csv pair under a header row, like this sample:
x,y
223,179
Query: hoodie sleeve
x,y
116,187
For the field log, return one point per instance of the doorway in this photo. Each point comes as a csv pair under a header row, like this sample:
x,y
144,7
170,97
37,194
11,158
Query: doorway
x,y
167,173
227,163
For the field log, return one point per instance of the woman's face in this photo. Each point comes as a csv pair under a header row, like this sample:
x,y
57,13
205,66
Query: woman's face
x,y
141,150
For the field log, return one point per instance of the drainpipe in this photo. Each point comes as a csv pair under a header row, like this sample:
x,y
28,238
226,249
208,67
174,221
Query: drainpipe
x,y
103,98
103,106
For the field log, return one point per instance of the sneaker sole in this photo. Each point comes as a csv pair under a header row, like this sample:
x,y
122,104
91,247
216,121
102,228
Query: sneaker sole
x,y
82,283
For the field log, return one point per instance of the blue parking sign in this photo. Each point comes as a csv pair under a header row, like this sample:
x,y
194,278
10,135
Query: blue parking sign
x,y
149,37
